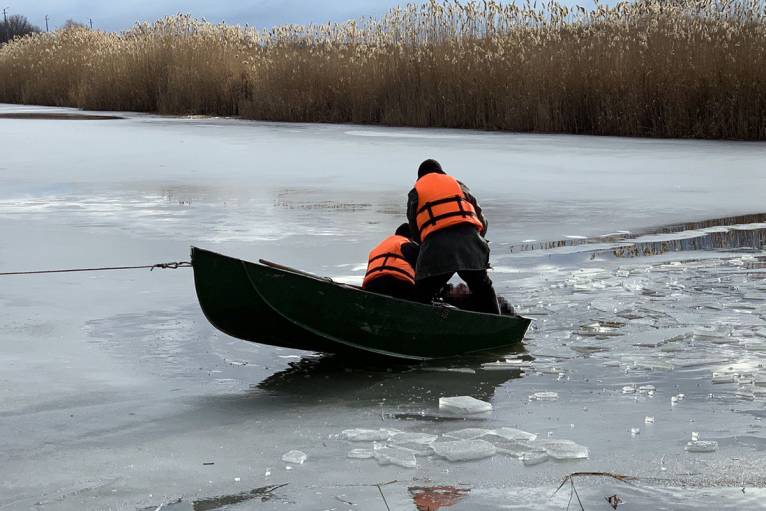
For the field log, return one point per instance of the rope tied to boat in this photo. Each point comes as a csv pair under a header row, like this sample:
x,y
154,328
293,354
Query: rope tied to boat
x,y
151,267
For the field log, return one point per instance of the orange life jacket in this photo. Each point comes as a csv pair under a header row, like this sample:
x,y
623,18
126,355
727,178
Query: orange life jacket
x,y
387,259
442,203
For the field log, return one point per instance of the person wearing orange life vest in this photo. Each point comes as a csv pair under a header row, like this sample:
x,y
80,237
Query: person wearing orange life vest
x,y
391,266
449,225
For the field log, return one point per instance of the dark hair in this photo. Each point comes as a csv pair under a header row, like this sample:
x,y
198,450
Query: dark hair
x,y
404,230
429,166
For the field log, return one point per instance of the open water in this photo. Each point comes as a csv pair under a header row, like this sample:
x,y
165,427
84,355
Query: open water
x,y
641,261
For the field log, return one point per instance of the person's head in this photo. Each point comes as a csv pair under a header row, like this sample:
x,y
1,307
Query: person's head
x,y
404,230
429,166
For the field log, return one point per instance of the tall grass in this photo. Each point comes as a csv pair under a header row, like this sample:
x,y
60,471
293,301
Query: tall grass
x,y
688,68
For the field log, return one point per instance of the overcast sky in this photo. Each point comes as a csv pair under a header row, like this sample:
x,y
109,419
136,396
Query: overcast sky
x,y
122,14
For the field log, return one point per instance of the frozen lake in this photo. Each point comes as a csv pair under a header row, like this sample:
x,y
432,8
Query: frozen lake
x,y
116,393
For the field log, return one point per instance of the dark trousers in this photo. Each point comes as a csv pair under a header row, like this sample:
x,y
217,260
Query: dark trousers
x,y
392,286
483,297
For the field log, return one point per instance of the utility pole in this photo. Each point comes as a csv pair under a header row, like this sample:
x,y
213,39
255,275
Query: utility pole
x,y
90,20
46,23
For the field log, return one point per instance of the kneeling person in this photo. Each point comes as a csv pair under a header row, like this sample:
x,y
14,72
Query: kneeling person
x,y
448,222
391,266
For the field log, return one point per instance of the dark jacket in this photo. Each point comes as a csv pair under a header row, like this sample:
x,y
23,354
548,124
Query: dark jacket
x,y
457,248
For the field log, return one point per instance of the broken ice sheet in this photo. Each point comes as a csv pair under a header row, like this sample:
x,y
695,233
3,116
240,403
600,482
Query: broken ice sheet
x,y
514,434
544,396
534,458
464,450
506,365
515,448
564,449
393,455
366,435
702,446
468,433
296,457
464,405
419,443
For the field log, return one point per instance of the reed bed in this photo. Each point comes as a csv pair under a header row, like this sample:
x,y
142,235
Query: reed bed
x,y
657,68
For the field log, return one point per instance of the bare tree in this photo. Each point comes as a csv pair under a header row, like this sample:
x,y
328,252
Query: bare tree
x,y
70,24
15,26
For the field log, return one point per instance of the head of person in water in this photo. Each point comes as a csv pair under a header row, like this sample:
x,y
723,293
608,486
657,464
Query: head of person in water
x,y
429,166
404,230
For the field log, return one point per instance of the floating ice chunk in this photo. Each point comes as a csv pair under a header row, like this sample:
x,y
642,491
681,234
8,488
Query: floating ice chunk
x,y
745,392
646,388
393,455
360,454
677,399
515,434
565,450
468,433
648,420
702,446
629,389
295,457
515,448
534,458
464,405
506,365
419,443
544,396
366,435
464,450
722,377
695,436
635,431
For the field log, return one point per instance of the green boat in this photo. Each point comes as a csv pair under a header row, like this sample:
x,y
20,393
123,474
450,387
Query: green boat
x,y
272,304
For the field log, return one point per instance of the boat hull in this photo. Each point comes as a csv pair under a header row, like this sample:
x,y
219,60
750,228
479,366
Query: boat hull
x,y
273,306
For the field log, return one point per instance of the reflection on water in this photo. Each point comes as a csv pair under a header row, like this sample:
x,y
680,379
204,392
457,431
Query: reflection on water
x,y
377,380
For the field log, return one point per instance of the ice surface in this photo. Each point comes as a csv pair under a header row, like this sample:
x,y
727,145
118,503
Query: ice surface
x,y
171,192
361,454
544,396
366,435
393,455
565,449
702,446
294,456
464,405
464,450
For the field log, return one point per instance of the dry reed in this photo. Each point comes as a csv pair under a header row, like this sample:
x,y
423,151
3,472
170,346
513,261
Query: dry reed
x,y
683,68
